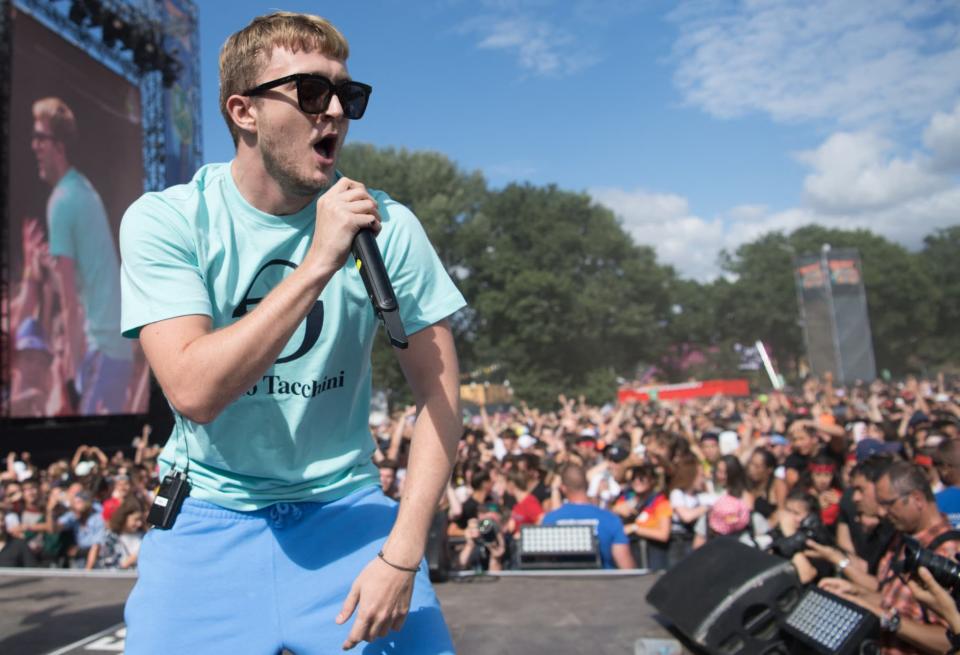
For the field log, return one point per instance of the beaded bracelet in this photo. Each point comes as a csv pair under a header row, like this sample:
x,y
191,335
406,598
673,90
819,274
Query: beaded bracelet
x,y
399,568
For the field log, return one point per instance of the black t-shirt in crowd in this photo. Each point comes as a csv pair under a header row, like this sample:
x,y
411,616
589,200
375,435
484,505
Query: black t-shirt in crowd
x,y
469,511
869,545
16,553
541,492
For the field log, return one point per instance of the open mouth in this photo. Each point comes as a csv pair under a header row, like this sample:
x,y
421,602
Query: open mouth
x,y
326,147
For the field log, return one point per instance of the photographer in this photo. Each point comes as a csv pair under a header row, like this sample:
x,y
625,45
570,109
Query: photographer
x,y
800,523
862,536
485,546
904,497
861,525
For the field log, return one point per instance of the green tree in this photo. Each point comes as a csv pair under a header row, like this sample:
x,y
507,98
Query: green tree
x,y
940,258
762,302
563,299
443,197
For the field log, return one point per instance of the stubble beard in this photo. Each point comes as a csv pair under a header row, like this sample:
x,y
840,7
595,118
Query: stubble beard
x,y
284,168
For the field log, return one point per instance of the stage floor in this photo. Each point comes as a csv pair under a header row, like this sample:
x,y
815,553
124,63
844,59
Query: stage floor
x,y
64,613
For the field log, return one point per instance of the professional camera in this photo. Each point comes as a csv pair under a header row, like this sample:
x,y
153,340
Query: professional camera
x,y
943,569
488,530
810,528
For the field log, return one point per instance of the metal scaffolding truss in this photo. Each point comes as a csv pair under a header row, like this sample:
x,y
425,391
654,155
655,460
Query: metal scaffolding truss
x,y
147,14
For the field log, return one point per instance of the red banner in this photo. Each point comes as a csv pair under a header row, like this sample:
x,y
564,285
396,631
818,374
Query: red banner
x,y
685,390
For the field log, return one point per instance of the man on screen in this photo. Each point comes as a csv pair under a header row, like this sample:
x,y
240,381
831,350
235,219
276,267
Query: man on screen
x,y
86,269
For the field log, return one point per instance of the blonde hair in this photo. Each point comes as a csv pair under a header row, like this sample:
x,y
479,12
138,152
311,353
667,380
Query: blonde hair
x,y
246,53
62,122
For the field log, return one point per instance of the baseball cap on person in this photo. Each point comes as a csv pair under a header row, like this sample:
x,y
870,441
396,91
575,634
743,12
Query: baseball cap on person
x,y
918,418
869,447
526,441
587,437
616,452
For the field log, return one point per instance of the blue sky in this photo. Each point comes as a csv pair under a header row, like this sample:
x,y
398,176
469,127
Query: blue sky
x,y
701,124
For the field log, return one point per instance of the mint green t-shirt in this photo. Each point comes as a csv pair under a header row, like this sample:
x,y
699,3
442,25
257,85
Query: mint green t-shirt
x,y
301,433
78,228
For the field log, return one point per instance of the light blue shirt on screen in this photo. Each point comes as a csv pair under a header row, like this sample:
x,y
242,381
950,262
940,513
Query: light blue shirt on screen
x,y
78,228
301,432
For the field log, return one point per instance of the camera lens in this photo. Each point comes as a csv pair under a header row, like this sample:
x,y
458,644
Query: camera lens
x,y
488,530
944,570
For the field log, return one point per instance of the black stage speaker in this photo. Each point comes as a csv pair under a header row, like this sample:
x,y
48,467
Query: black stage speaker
x,y
729,598
437,557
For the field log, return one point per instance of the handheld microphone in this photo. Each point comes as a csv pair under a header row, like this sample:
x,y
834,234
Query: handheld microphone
x,y
374,276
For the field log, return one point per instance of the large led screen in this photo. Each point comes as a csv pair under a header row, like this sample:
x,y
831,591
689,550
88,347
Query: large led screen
x,y
76,163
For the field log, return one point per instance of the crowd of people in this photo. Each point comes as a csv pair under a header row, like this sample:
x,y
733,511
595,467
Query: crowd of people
x,y
87,513
840,481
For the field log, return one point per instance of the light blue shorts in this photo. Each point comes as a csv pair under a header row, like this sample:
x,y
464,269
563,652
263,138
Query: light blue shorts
x,y
222,581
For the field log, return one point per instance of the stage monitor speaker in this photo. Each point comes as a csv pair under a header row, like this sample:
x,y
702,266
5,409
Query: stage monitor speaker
x,y
729,598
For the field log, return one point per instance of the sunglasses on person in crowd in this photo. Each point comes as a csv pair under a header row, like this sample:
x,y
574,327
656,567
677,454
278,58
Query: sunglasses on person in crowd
x,y
314,93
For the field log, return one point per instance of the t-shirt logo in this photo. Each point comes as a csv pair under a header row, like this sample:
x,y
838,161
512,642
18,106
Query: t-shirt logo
x,y
268,276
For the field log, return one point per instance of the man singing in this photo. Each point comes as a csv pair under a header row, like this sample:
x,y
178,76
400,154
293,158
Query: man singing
x,y
255,320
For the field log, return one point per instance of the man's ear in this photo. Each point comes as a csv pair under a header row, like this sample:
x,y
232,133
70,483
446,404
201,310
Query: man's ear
x,y
243,112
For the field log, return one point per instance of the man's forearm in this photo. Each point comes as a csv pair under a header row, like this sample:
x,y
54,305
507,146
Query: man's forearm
x,y
859,576
213,370
432,452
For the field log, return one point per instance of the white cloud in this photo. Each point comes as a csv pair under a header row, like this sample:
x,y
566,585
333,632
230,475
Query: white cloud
x,y
855,172
942,137
866,62
530,31
540,47
537,46
664,221
855,181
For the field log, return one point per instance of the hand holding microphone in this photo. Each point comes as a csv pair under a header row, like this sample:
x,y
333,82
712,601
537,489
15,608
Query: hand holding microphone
x,y
341,210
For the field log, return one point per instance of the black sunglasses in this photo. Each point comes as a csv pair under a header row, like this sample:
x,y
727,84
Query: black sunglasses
x,y
314,93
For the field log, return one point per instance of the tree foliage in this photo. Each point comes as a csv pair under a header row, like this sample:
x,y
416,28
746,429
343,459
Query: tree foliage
x,y
442,197
562,300
940,258
560,291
